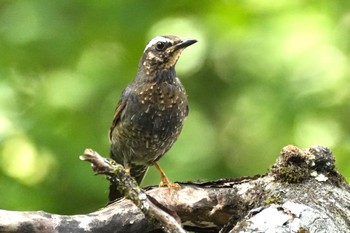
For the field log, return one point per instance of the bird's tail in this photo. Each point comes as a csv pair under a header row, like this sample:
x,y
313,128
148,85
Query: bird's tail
x,y
138,172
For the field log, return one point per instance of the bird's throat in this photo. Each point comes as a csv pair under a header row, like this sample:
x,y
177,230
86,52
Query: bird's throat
x,y
157,76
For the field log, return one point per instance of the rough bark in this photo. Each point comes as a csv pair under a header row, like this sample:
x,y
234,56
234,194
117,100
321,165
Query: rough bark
x,y
302,192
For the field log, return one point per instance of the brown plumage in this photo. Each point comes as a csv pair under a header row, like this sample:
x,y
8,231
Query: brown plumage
x,y
151,110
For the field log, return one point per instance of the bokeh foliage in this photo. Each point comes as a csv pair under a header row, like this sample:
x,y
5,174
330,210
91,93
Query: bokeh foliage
x,y
263,75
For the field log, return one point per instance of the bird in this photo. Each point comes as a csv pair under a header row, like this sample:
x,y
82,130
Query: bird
x,y
151,111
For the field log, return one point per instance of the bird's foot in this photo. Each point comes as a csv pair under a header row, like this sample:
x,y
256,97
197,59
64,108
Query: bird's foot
x,y
164,181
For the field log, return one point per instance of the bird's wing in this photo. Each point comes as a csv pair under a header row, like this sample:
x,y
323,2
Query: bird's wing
x,y
117,116
119,111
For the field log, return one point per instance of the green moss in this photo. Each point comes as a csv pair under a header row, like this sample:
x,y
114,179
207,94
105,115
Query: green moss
x,y
291,173
302,230
272,200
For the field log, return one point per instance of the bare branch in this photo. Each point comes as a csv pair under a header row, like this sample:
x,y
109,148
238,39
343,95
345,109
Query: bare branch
x,y
303,192
132,191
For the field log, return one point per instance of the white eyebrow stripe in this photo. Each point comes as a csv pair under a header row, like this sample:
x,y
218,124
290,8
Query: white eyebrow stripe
x,y
155,40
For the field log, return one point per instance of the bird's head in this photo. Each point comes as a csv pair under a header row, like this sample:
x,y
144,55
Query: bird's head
x,y
162,53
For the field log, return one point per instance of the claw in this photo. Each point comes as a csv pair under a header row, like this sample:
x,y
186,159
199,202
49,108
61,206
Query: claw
x,y
164,181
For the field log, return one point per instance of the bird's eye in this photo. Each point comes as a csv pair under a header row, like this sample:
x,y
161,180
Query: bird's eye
x,y
160,46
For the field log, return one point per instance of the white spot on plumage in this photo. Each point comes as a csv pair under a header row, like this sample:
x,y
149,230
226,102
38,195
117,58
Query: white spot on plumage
x,y
147,110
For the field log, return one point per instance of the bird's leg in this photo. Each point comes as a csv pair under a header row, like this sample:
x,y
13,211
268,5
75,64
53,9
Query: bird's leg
x,y
164,181
127,167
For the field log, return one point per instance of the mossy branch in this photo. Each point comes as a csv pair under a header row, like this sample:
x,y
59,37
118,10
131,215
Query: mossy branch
x,y
128,186
302,191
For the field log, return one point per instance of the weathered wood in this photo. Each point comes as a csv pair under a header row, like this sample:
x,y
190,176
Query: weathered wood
x,y
302,193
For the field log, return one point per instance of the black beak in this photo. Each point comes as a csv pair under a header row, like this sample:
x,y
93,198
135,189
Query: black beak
x,y
184,43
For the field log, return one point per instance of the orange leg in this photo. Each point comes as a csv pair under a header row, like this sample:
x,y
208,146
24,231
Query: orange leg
x,y
164,181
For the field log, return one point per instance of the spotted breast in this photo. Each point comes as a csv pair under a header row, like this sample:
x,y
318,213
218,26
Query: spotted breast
x,y
150,114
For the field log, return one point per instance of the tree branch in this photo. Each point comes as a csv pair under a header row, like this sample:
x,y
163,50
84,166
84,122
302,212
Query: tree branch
x,y
302,191
128,186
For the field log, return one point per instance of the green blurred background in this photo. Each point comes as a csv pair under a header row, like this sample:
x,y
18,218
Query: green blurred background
x,y
263,75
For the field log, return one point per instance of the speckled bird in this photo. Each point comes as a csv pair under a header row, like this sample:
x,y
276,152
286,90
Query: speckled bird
x,y
151,111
